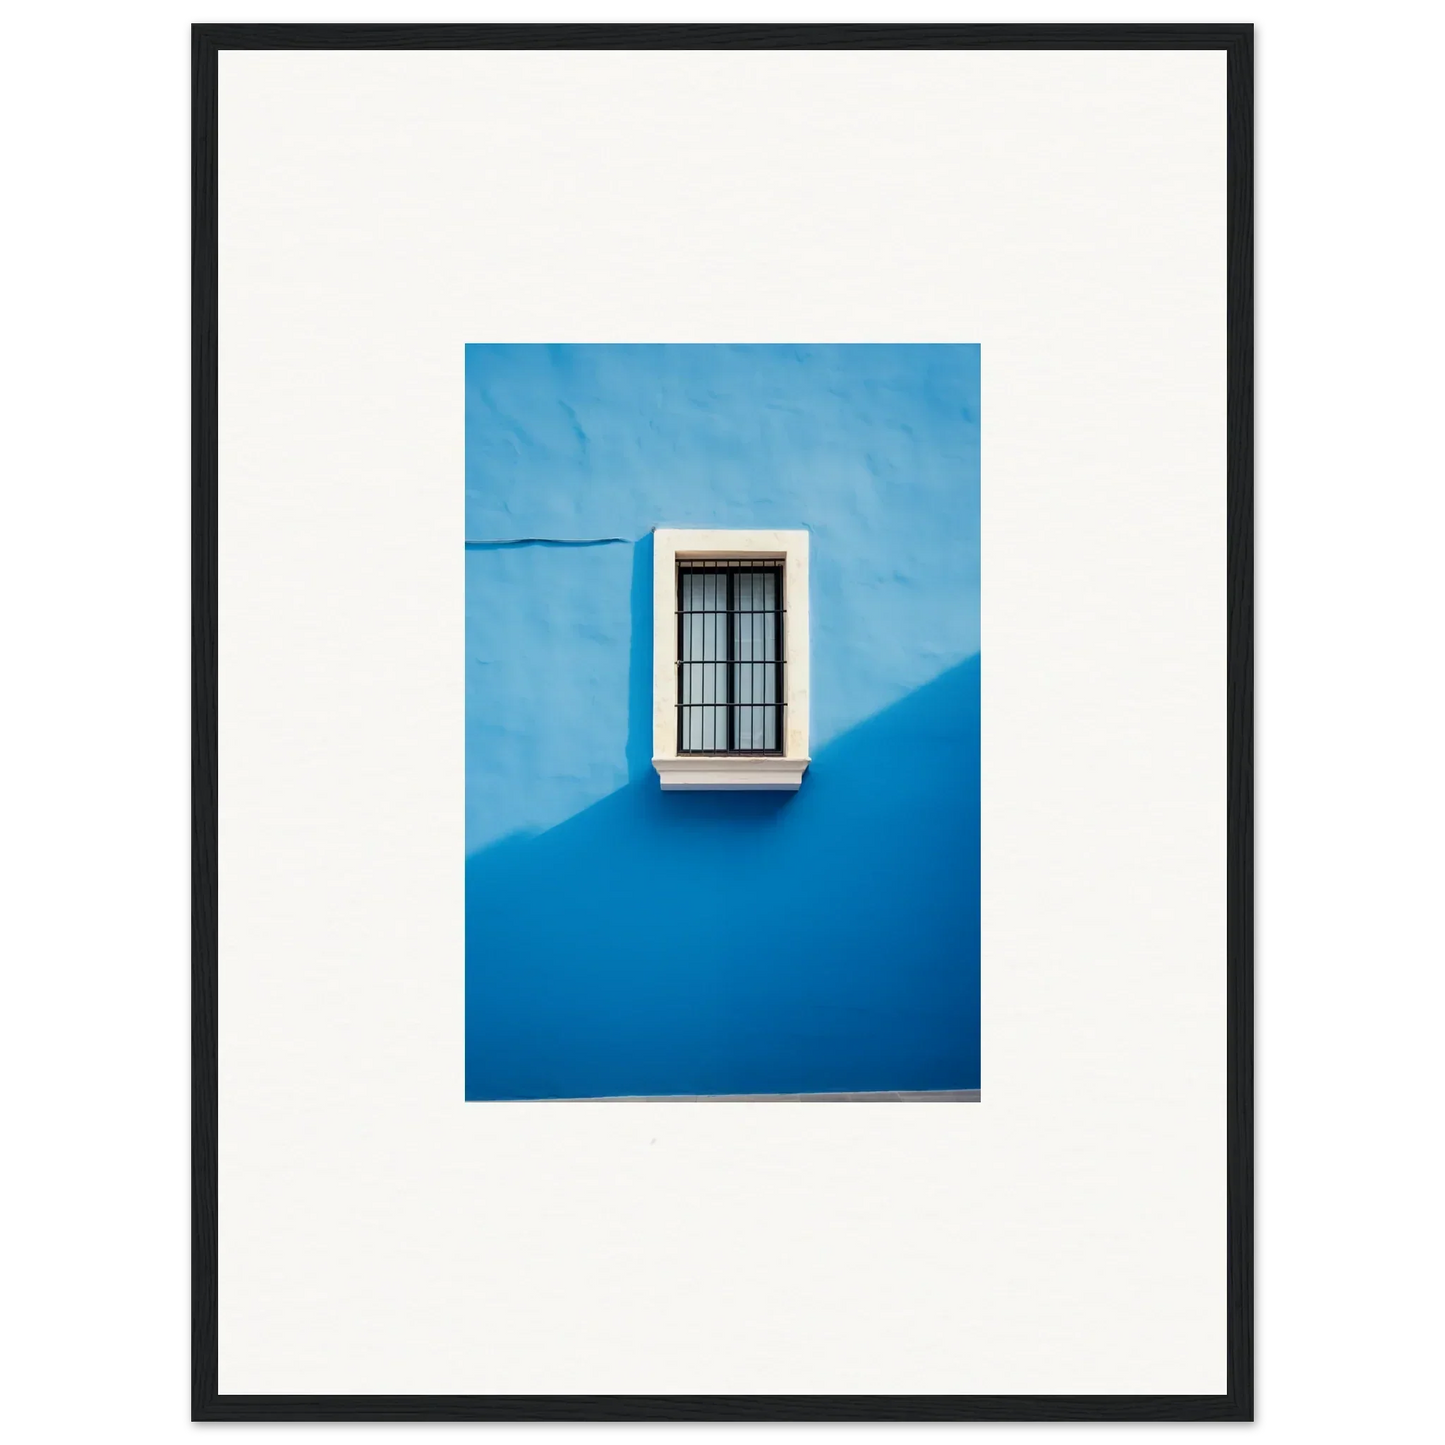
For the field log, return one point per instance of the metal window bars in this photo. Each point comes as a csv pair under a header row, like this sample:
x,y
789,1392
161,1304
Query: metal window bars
x,y
730,655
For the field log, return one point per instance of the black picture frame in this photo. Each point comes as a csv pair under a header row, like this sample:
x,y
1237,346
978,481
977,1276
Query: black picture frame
x,y
207,1403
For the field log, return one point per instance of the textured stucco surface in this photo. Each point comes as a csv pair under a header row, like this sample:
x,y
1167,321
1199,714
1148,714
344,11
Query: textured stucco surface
x,y
874,449
623,942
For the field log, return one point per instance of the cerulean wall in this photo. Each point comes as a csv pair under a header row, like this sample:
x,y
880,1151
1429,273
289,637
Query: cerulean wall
x,y
625,941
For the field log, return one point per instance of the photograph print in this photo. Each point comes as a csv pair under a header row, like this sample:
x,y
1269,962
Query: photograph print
x,y
722,722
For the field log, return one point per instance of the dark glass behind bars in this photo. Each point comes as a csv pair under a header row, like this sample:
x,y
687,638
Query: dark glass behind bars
x,y
730,657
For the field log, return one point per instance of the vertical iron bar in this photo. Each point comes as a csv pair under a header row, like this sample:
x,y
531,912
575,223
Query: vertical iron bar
x,y
778,737
760,661
729,710
679,599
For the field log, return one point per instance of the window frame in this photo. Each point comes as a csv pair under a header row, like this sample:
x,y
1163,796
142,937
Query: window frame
x,y
731,570
673,548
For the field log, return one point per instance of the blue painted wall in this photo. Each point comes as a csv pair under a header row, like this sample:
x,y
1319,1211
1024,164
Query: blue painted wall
x,y
625,941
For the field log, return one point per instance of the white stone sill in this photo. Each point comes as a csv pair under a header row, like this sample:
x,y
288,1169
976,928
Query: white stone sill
x,y
722,774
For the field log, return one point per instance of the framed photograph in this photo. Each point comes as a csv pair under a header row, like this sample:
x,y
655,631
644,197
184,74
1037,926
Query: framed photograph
x,y
722,585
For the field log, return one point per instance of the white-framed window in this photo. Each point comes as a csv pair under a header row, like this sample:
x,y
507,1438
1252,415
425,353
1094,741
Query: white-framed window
x,y
730,658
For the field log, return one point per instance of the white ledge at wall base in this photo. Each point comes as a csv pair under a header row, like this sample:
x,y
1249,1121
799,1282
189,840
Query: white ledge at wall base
x,y
730,774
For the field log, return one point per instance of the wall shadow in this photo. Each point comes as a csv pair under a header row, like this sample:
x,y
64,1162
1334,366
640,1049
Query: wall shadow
x,y
742,943
639,665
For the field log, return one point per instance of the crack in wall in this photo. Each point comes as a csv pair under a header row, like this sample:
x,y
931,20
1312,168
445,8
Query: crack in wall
x,y
497,543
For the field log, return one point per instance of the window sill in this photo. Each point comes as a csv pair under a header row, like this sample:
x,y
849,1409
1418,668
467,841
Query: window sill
x,y
721,774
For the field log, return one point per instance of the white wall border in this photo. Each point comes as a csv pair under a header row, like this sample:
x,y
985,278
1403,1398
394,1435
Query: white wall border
x,y
728,773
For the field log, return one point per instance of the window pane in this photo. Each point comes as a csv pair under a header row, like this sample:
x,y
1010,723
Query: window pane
x,y
755,674
729,664
704,655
